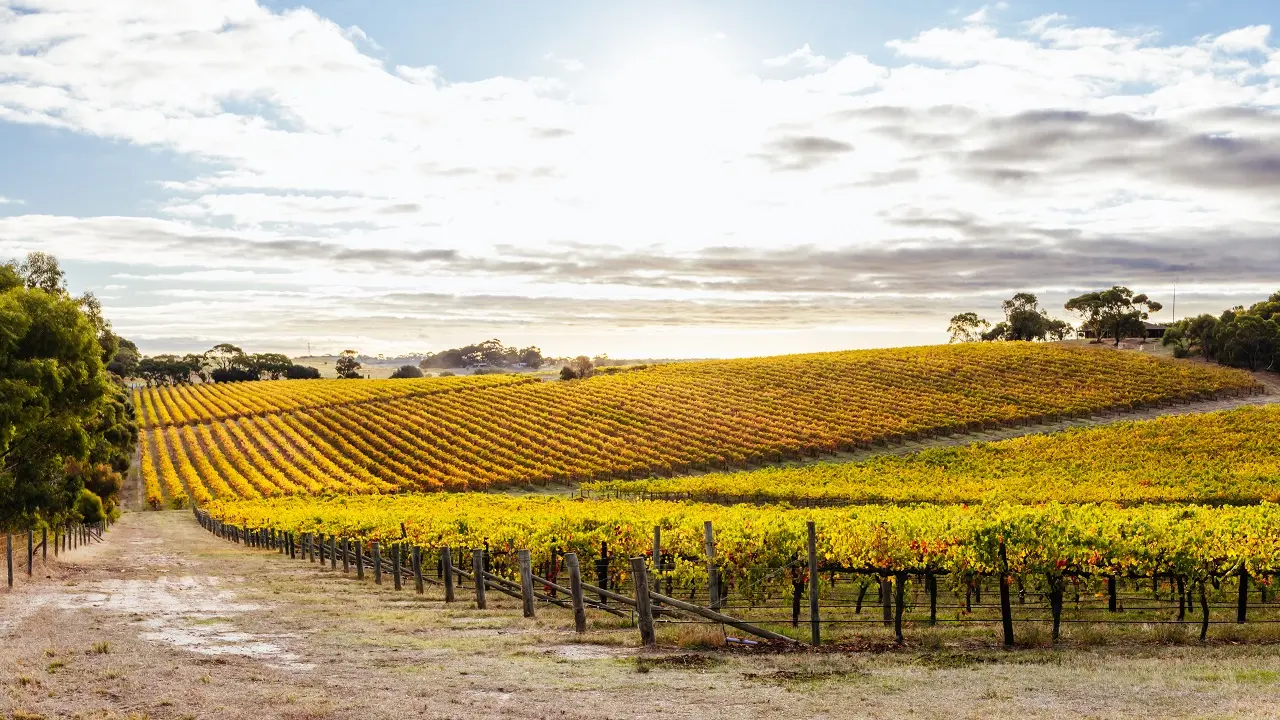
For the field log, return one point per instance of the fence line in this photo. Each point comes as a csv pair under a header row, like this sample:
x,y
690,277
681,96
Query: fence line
x,y
647,604
65,538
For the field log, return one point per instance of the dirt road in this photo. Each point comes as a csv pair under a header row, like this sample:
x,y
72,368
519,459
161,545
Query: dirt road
x,y
163,621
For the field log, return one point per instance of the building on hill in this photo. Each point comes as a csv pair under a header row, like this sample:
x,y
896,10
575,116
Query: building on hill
x,y
1155,331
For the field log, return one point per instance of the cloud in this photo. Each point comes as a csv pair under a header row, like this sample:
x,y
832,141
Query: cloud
x,y
1252,38
803,57
567,64
973,162
11,201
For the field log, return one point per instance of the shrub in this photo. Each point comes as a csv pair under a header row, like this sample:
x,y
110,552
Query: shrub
x,y
406,371
233,375
302,372
567,373
89,507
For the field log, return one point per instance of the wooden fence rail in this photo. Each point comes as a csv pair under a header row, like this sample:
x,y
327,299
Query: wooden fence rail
x,y
65,538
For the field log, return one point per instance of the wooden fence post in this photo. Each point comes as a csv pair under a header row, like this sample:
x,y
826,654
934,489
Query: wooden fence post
x,y
417,570
1112,604
713,575
44,544
359,559
1204,609
931,584
395,563
446,563
346,557
815,625
886,600
1006,610
333,552
1242,603
644,610
377,563
602,571
8,555
477,569
31,549
657,558
899,603
575,590
525,562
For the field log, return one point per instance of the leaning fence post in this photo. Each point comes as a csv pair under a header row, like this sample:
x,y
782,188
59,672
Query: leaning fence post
x,y
377,563
526,581
446,563
815,626
713,576
575,590
644,610
477,568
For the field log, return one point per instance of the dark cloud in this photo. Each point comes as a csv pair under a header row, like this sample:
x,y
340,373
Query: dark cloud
x,y
802,152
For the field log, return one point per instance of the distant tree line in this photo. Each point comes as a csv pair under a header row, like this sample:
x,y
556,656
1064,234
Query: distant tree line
x,y
490,353
1238,337
221,363
67,425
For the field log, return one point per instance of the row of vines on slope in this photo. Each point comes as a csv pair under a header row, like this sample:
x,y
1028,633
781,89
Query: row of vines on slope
x,y
1051,540
666,420
1228,457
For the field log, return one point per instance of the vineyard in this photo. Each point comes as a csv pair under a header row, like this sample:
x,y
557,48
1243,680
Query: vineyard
x,y
285,438
1229,457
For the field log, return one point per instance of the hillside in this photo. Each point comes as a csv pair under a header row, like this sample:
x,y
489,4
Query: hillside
x,y
1230,457
360,437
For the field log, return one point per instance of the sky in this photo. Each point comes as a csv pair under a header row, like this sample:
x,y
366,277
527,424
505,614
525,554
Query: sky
x,y
642,179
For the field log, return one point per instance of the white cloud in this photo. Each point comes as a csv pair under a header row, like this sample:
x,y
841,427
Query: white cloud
x,y
803,57
11,201
567,64
1252,38
329,171
977,17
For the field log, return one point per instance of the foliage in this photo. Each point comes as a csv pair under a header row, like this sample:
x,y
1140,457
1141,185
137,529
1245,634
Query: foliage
x,y
479,432
1239,337
1051,539
406,371
125,362
302,372
1228,457
1024,320
55,396
347,366
567,373
169,369
967,327
89,507
273,365
1116,313
490,353
234,374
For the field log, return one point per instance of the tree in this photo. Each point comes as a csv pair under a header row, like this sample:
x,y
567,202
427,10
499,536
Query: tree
x,y
302,372
1249,341
125,362
531,357
56,402
967,327
226,356
41,271
567,373
406,371
582,367
1115,313
347,366
272,365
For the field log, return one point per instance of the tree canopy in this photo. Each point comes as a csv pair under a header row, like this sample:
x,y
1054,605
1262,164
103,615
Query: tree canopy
x,y
490,352
1024,320
347,365
61,417
1247,338
1116,313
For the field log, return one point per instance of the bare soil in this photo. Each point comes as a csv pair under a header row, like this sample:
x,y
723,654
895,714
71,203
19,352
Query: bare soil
x,y
164,621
